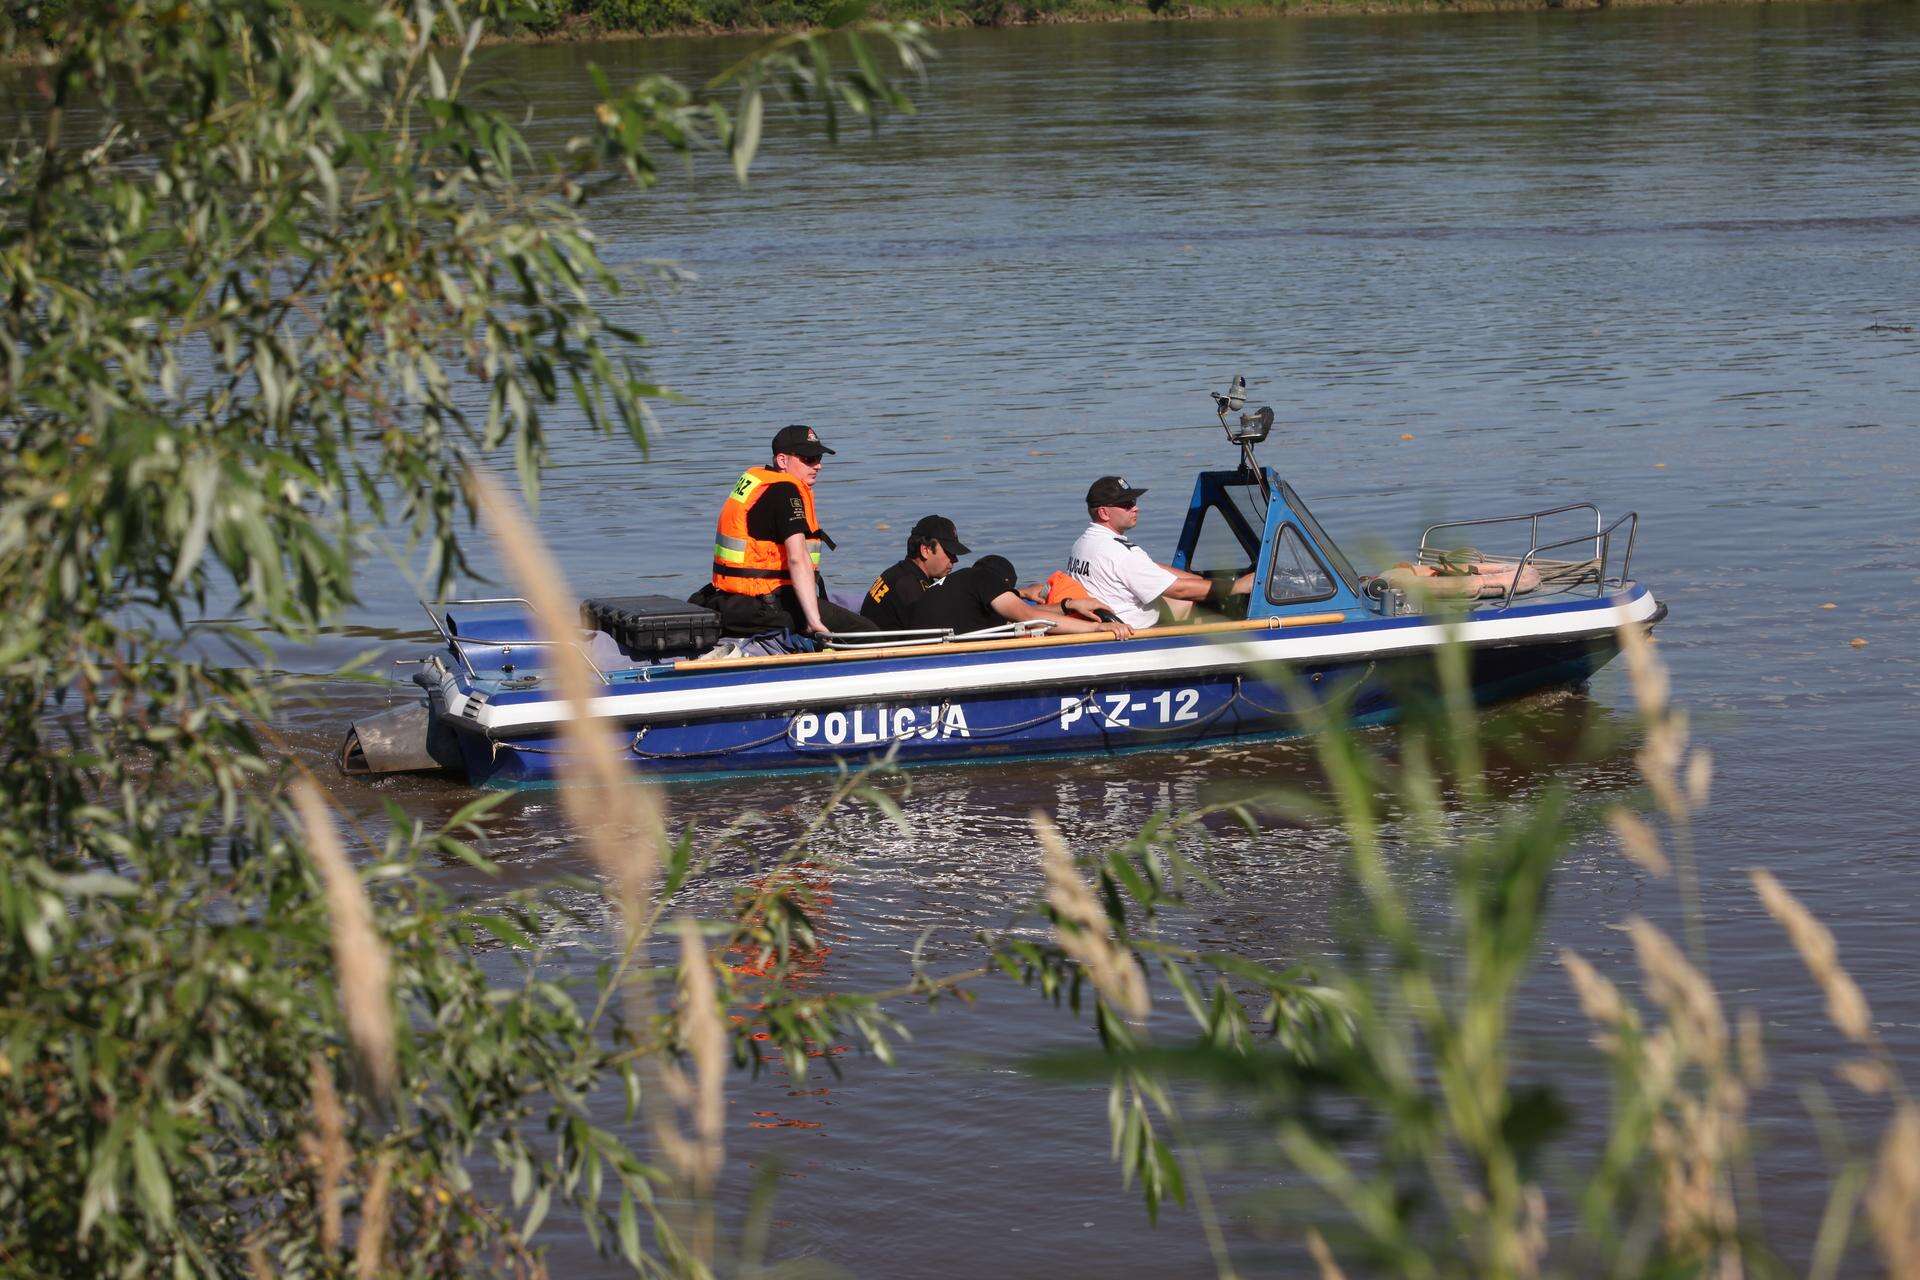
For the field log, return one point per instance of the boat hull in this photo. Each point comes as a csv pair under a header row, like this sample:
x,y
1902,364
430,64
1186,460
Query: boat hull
x,y
1178,711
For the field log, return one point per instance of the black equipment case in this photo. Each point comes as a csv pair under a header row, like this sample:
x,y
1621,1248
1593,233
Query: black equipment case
x,y
652,626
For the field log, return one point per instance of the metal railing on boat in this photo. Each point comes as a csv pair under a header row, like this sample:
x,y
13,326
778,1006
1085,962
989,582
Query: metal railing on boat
x,y
1603,551
1565,574
458,642
934,635
838,641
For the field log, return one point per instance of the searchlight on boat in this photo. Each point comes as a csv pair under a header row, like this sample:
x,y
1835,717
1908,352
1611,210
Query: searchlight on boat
x,y
1251,430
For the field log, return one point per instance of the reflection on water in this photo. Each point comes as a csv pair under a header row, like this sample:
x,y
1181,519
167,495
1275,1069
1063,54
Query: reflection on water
x,y
1662,260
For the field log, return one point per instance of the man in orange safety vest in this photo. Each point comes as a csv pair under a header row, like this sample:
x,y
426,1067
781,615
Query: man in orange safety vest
x,y
766,550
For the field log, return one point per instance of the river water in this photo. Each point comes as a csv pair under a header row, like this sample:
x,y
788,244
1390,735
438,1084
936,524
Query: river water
x,y
1665,260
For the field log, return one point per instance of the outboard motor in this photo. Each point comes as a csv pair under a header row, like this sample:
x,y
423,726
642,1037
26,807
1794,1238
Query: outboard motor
x,y
406,739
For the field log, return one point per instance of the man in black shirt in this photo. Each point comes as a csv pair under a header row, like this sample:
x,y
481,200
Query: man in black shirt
x,y
982,595
933,548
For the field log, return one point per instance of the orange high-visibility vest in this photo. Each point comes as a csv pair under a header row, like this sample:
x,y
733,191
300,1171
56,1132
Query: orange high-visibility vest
x,y
751,566
1062,587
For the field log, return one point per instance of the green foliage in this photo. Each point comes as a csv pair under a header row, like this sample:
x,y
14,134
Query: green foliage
x,y
1386,1080
643,15
539,17
270,280
1135,885
1389,1085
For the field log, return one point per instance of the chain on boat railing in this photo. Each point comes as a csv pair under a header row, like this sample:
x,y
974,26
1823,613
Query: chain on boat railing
x,y
634,745
1352,686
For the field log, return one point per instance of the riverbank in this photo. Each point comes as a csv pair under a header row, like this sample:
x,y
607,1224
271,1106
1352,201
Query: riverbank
x,y
641,19
567,21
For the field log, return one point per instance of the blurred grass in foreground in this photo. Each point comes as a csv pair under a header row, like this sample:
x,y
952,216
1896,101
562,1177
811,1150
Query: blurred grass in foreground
x,y
1410,1134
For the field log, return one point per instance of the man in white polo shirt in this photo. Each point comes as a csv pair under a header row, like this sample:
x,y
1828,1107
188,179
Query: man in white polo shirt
x,y
1123,576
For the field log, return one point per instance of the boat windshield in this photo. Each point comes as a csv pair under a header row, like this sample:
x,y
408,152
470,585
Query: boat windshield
x,y
1328,547
1250,502
1229,537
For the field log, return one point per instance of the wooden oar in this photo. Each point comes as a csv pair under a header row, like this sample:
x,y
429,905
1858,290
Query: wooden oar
x,y
1016,642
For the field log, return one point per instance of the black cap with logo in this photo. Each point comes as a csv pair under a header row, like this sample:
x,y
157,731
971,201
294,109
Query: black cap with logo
x,y
800,441
997,571
941,530
1112,491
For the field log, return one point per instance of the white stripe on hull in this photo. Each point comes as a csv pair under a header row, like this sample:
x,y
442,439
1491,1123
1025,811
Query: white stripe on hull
x,y
662,701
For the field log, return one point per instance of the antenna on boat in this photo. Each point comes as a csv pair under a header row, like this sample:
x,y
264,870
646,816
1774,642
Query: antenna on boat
x,y
1251,430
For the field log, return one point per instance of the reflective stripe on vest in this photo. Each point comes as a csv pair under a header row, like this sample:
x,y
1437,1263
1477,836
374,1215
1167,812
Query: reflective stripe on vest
x,y
752,566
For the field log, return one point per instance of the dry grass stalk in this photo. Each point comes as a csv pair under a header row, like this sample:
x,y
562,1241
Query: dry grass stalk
x,y
359,953
1752,1047
1082,930
1699,778
603,800
1893,1201
1638,841
1645,672
1695,1135
1600,1000
1531,1238
1664,751
1691,1004
615,813
326,1150
704,1034
1691,1144
1660,758
257,1265
1846,1007
370,1250
1660,1061
1323,1257
1867,1075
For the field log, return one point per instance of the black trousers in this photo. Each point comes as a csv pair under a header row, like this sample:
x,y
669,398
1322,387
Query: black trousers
x,y
754,615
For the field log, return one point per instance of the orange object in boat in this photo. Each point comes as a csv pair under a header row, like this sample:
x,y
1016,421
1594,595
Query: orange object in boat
x,y
1472,580
1062,587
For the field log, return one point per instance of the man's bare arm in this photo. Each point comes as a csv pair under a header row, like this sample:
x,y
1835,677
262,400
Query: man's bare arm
x,y
1179,573
1014,609
805,585
1191,586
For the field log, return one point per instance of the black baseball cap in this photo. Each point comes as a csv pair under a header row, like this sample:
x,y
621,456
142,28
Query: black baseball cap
x,y
941,530
997,570
800,441
1112,491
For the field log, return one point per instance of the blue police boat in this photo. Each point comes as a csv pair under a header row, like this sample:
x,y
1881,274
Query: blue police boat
x,y
1538,611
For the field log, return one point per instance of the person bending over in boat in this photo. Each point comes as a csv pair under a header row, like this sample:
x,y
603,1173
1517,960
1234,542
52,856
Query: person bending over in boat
x,y
982,595
766,553
933,549
1123,576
